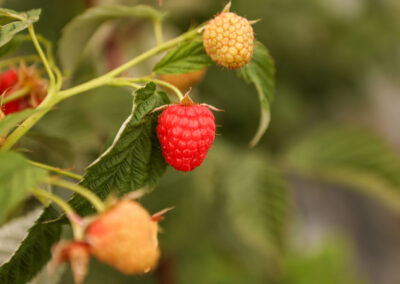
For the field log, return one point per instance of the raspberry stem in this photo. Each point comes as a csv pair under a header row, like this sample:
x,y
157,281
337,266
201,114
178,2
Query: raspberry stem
x,y
74,218
16,95
88,194
56,170
122,82
158,31
177,92
41,54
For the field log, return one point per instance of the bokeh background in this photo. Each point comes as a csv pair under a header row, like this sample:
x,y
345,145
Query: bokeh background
x,y
317,201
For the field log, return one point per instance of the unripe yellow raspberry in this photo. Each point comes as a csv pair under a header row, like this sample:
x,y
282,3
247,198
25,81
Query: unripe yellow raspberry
x,y
229,40
125,237
185,80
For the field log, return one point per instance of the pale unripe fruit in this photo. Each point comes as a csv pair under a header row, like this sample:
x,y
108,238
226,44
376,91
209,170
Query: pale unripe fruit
x,y
125,237
229,40
185,80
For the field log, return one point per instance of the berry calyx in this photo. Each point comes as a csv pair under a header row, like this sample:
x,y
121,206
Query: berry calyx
x,y
76,253
186,131
125,237
229,40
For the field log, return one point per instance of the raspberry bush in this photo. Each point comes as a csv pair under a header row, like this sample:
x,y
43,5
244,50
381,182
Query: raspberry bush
x,y
172,124
162,129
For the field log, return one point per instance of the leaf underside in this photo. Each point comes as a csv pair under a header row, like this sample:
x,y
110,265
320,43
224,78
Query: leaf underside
x,y
353,157
17,178
260,71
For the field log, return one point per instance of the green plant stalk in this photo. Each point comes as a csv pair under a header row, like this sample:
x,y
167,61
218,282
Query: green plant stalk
x,y
14,137
122,82
69,211
16,95
53,98
158,31
42,55
89,195
162,83
17,59
56,170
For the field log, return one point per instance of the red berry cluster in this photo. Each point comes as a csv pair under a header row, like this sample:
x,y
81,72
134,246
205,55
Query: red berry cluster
x,y
186,131
13,80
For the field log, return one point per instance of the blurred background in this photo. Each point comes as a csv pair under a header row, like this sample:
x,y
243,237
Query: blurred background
x,y
317,201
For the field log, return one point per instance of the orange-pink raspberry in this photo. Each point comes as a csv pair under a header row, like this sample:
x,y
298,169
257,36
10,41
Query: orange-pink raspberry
x,y
125,237
229,40
186,132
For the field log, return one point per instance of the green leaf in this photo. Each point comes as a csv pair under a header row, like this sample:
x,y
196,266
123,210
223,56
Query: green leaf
x,y
353,157
260,71
17,177
256,200
134,160
187,57
34,251
22,21
252,200
77,33
10,121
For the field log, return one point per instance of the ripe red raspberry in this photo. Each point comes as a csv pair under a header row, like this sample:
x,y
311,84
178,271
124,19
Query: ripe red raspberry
x,y
125,237
186,131
229,40
8,79
28,78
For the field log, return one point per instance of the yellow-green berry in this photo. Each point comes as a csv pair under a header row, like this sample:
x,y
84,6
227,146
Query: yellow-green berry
x,y
229,40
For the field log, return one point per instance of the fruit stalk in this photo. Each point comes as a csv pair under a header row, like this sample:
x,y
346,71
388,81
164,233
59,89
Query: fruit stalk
x,y
89,195
16,95
56,170
42,55
74,218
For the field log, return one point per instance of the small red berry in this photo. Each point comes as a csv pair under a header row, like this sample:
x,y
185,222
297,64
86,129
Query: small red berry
x,y
11,107
125,237
8,80
186,131
26,77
